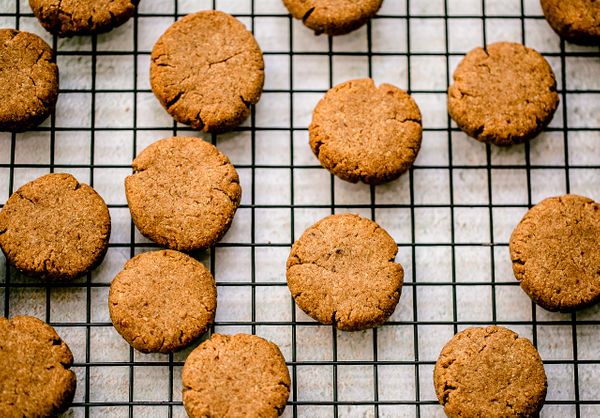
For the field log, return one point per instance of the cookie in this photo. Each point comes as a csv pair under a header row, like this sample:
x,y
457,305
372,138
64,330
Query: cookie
x,y
577,21
235,376
66,18
35,380
333,17
183,193
361,132
554,252
55,228
342,271
504,94
490,372
162,301
207,70
28,80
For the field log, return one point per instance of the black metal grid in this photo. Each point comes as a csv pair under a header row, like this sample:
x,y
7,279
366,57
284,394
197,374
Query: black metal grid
x,y
420,403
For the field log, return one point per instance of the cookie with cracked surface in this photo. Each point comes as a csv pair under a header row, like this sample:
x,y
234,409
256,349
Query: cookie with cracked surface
x,y
28,80
361,132
162,301
333,17
55,228
490,372
35,380
207,70
183,193
504,94
235,376
66,18
342,271
577,21
554,252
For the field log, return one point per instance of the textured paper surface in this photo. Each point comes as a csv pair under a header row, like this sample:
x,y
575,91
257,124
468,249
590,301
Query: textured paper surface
x,y
452,217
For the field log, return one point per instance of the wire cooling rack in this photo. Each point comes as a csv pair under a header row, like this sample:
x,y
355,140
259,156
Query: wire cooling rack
x,y
451,214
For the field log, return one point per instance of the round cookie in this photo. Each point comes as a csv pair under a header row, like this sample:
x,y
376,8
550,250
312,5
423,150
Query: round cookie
x,y
239,376
28,80
490,372
35,379
162,301
206,70
333,17
577,21
361,132
183,193
66,18
55,228
342,271
554,251
503,95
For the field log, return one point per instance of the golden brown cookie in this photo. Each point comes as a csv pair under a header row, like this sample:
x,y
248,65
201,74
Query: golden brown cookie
x,y
361,132
162,301
35,380
554,252
235,376
67,18
55,228
342,271
504,94
333,17
183,193
28,80
207,70
577,21
490,372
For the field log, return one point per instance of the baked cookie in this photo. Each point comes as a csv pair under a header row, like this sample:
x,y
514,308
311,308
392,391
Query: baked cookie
x,y
342,271
490,372
206,70
66,18
55,228
554,251
577,21
504,94
183,193
28,80
361,132
333,17
235,376
35,380
162,301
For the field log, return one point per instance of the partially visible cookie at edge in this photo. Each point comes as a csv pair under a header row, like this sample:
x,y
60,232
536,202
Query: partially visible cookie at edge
x,y
361,132
503,94
55,228
162,301
333,17
554,252
67,18
490,372
207,70
342,271
239,376
28,80
35,375
577,21
183,193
